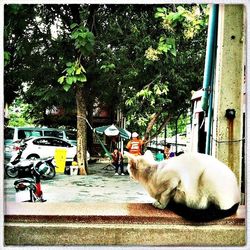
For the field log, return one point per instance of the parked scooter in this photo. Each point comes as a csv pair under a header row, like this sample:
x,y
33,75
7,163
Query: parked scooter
x,y
18,167
29,189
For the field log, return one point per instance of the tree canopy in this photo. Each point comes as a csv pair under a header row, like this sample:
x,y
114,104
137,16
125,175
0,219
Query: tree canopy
x,y
146,59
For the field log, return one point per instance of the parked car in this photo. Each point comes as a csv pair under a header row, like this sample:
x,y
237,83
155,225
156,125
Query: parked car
x,y
15,133
70,135
45,146
12,134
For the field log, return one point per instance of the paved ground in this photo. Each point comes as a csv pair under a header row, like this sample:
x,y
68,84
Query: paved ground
x,y
99,185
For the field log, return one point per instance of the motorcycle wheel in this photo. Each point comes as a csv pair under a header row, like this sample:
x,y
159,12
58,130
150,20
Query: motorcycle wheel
x,y
51,174
11,172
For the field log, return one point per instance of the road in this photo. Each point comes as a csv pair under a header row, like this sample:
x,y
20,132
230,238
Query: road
x,y
99,185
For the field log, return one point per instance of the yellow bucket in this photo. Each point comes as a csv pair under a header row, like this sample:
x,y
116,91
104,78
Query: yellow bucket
x,y
60,159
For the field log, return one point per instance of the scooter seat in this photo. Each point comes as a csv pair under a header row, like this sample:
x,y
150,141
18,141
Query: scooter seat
x,y
23,180
25,164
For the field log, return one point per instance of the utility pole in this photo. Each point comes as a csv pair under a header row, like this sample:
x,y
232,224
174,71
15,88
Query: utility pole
x,y
228,91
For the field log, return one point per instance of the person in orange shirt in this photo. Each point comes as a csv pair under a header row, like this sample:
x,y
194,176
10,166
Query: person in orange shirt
x,y
134,146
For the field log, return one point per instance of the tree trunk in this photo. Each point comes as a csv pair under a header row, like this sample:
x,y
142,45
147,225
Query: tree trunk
x,y
89,131
81,130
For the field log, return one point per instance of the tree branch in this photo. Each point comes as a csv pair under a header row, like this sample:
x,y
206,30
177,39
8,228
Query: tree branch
x,y
162,126
150,126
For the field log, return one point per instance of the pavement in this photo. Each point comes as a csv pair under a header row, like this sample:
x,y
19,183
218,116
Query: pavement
x,y
100,185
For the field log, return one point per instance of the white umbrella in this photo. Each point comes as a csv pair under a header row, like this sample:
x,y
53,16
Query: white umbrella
x,y
111,131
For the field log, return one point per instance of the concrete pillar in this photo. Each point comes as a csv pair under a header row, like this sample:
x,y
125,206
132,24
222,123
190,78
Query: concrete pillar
x,y
228,91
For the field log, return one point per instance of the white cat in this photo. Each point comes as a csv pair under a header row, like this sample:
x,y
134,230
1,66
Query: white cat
x,y
192,181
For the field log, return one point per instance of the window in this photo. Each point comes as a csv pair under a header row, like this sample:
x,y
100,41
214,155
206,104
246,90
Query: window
x,y
22,134
59,143
71,135
54,133
8,133
42,142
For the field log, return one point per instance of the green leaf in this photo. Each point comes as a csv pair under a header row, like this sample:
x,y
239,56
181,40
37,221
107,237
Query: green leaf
x,y
129,102
6,55
70,70
74,79
78,71
162,10
111,66
181,10
61,79
176,17
6,58
75,35
90,36
69,64
157,15
73,25
69,80
66,87
82,78
173,52
164,48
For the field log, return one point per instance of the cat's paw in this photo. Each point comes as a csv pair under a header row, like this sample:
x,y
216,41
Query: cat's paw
x,y
157,204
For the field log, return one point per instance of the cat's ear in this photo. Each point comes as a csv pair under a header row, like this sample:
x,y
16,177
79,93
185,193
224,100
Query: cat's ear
x,y
132,163
131,158
148,156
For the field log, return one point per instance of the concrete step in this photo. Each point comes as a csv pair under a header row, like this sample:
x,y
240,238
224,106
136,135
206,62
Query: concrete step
x,y
115,224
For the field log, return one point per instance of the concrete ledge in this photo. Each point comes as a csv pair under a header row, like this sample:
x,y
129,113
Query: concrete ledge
x,y
114,224
122,234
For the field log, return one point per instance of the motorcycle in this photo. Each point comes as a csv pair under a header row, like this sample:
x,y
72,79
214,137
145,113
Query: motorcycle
x,y
29,189
18,167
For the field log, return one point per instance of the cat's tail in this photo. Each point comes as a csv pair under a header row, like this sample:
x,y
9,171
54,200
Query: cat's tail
x,y
201,215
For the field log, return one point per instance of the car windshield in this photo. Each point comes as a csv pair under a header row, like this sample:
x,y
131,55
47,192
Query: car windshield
x,y
71,135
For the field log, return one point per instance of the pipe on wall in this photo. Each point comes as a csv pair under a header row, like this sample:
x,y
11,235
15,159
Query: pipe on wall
x,y
207,96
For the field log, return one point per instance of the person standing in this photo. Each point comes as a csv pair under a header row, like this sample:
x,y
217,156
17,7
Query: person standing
x,y
134,146
167,151
117,161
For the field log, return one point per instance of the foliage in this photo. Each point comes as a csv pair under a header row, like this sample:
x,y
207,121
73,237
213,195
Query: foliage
x,y
84,43
176,66
183,121
143,59
84,39
37,56
75,73
6,58
191,21
18,114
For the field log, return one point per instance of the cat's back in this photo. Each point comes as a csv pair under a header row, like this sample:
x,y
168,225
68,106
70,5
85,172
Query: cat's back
x,y
211,175
193,162
198,162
